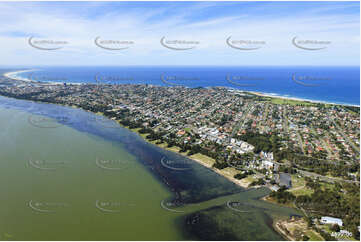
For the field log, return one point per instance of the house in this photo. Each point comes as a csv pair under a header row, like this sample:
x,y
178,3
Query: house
x,y
331,220
180,132
267,164
274,188
276,167
283,179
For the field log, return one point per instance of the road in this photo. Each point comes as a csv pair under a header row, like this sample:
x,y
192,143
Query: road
x,y
348,140
300,141
285,120
264,119
324,178
321,177
324,143
242,120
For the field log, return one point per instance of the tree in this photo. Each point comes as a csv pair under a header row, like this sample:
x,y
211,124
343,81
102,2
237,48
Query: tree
x,y
335,228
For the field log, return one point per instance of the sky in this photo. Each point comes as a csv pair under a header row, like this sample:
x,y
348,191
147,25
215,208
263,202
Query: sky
x,y
144,33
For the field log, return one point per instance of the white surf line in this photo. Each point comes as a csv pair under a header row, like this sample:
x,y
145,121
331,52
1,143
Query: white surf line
x,y
12,75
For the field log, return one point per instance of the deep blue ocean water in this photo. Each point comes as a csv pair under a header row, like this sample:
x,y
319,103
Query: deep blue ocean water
x,y
328,84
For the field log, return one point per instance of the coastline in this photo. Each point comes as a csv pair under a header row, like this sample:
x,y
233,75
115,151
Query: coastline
x,y
299,99
226,174
200,159
12,75
275,220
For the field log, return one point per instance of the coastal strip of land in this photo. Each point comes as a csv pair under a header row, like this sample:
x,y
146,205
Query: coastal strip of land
x,y
203,160
224,130
14,75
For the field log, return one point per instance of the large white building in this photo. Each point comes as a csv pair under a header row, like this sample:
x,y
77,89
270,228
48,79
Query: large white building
x,y
331,220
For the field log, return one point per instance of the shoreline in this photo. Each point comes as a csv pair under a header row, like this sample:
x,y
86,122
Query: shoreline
x,y
175,149
257,93
13,75
277,228
299,99
240,183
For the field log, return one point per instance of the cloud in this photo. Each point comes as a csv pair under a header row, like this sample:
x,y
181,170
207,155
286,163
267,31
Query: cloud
x,y
210,23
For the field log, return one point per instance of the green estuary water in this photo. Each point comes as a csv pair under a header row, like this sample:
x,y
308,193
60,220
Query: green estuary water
x,y
75,178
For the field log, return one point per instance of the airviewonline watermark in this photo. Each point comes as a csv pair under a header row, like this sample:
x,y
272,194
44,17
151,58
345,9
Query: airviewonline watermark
x,y
311,45
46,78
47,44
232,205
113,44
46,165
176,165
112,79
105,164
53,207
48,122
177,80
245,44
179,44
112,165
112,206
172,206
47,207
243,80
107,206
309,81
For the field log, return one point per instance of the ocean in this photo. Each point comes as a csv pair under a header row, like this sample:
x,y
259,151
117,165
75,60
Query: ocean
x,y
339,85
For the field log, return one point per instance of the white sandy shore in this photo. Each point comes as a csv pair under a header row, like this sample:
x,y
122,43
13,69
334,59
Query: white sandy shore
x,y
299,99
226,174
15,76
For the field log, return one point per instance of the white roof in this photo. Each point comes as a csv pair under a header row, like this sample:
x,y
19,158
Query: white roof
x,y
332,219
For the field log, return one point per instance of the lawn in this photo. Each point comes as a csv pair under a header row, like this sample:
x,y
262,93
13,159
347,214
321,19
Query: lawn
x,y
187,130
325,185
299,227
208,160
290,102
299,186
313,236
250,179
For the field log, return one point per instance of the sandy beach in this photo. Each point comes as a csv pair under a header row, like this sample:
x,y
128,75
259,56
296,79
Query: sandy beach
x,y
227,173
14,75
224,172
298,99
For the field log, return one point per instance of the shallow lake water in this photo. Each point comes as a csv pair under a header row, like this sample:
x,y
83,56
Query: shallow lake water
x,y
68,174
